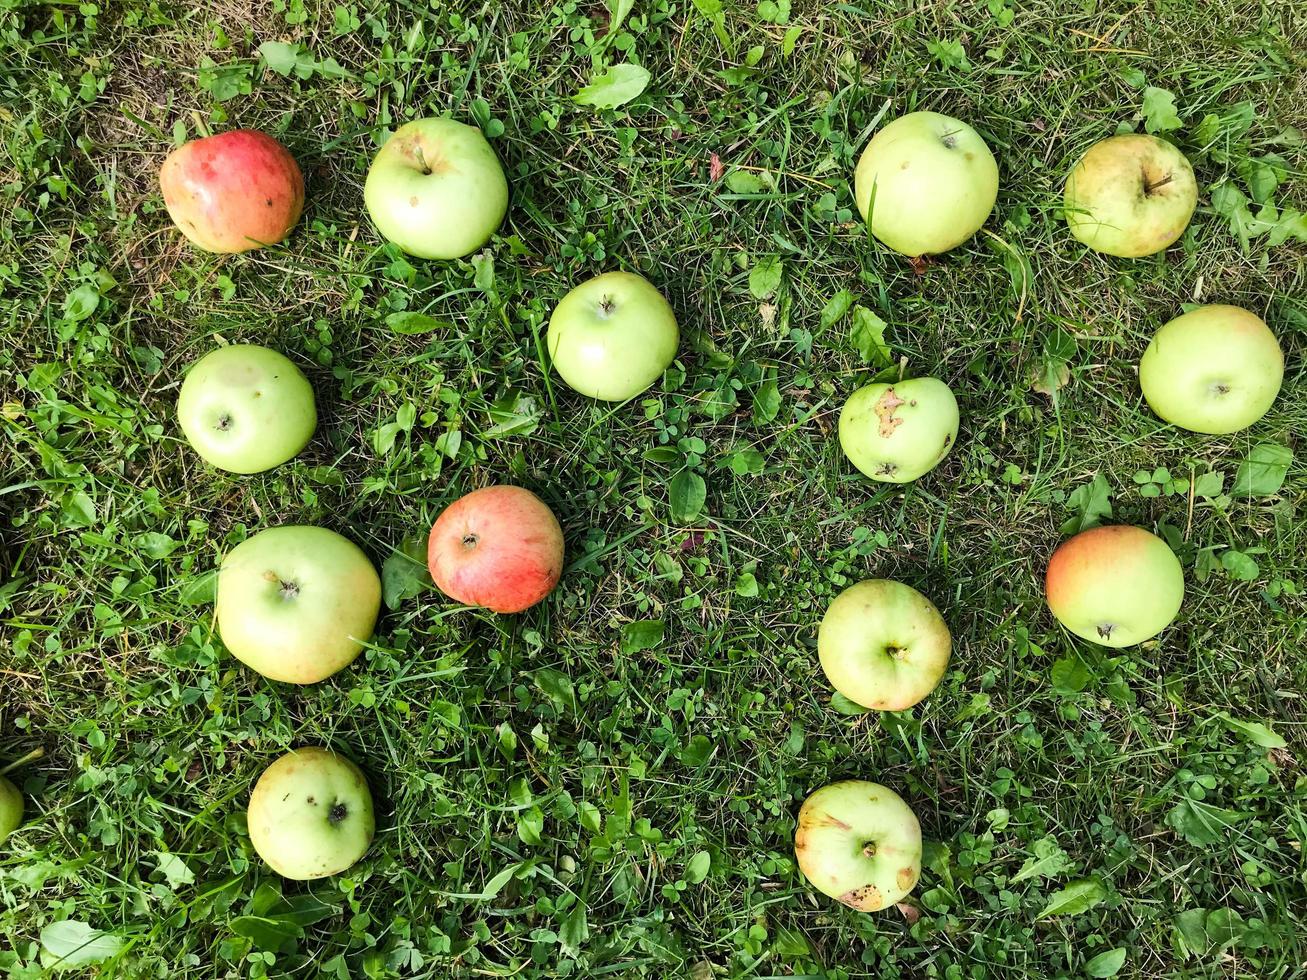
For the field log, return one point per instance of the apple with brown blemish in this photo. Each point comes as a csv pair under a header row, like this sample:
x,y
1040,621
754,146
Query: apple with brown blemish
x,y
499,547
310,814
883,645
436,189
1116,585
1130,195
858,842
234,191
898,432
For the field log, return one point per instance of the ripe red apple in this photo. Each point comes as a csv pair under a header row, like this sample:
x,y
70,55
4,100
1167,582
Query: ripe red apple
x,y
234,191
498,547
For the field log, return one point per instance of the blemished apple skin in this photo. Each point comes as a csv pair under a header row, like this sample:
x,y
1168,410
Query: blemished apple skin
x,y
499,547
11,808
246,409
310,814
935,183
436,189
234,191
858,842
1116,585
1130,196
1216,369
612,336
896,433
883,645
296,603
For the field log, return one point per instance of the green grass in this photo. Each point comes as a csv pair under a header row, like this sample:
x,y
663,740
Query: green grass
x,y
640,796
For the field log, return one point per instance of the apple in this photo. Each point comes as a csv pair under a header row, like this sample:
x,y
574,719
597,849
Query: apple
x,y
1130,195
883,645
246,409
1216,369
498,547
310,814
612,336
297,603
234,191
11,808
897,432
928,182
436,189
1115,585
860,843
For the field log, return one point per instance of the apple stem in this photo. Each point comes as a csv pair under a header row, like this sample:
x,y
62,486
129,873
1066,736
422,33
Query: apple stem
x,y
903,366
422,160
30,757
1150,187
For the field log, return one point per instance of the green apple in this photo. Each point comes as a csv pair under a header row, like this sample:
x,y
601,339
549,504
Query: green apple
x,y
860,843
883,645
1130,195
310,814
1115,585
11,808
297,603
897,432
1215,369
612,336
436,189
246,409
928,182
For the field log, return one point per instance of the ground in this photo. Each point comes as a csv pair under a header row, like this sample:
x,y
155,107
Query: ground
x,y
607,785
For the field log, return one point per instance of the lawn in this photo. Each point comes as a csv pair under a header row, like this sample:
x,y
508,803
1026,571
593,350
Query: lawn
x,y
607,785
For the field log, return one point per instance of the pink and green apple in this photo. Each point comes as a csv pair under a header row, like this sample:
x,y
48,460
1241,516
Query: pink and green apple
x,y
859,843
1216,369
883,645
310,814
925,183
1115,585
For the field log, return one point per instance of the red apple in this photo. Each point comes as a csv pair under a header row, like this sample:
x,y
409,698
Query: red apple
x,y
234,191
499,547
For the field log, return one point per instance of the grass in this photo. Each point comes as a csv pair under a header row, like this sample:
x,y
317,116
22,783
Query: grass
x,y
577,791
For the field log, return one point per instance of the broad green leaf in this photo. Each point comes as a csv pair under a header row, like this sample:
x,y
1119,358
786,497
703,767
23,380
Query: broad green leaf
x,y
1106,964
697,868
1263,472
1077,897
1070,675
81,302
618,10
765,277
868,336
554,683
687,494
1159,111
745,182
155,544
643,634
766,403
1254,731
1241,566
72,944
1209,485
845,706
746,585
1202,823
280,56
1090,503
515,414
199,589
574,931
174,869
404,573
697,751
414,323
1048,861
617,86
836,307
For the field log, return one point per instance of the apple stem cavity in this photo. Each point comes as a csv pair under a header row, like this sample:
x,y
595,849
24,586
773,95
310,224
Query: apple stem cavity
x,y
338,812
869,849
224,423
1105,630
470,541
289,590
606,307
